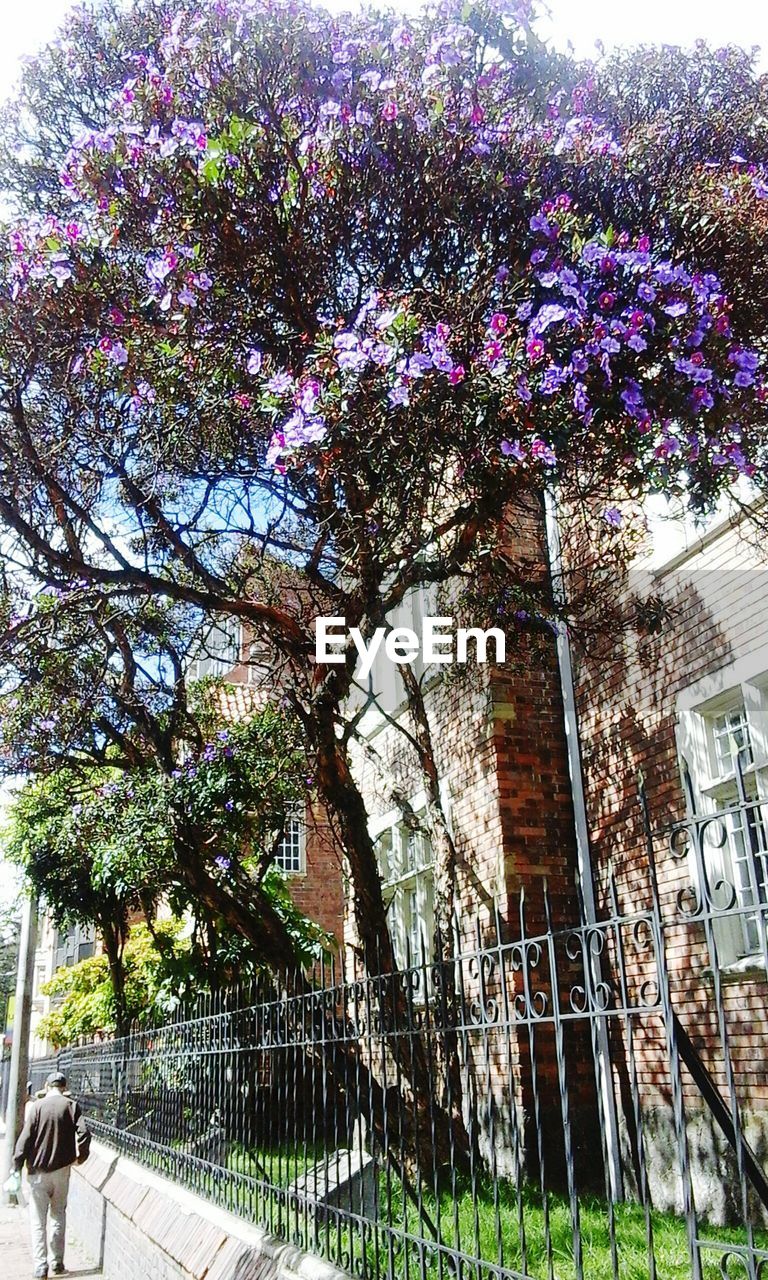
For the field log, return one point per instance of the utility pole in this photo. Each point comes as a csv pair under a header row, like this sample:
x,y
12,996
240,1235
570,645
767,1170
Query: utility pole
x,y
22,1016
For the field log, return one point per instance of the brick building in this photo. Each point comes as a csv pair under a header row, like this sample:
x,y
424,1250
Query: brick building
x,y
307,854
686,700
687,707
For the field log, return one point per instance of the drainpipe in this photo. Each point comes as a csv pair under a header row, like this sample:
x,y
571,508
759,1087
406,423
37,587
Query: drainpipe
x,y
583,852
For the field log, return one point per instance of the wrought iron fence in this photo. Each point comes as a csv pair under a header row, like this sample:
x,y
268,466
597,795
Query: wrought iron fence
x,y
548,1103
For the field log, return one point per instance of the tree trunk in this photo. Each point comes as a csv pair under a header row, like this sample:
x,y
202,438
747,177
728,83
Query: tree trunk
x,y
113,946
431,1132
440,835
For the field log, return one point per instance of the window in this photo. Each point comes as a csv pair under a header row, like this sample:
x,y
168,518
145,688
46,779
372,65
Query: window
x,y
745,832
675,531
385,682
219,650
290,851
723,743
261,663
731,741
406,860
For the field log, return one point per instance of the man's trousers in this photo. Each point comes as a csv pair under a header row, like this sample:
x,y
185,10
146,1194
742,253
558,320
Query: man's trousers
x,y
48,1194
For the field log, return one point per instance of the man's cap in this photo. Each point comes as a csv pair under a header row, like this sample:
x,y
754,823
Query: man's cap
x,y
56,1078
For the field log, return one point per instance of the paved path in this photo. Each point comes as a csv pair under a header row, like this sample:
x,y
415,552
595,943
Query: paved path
x,y
15,1252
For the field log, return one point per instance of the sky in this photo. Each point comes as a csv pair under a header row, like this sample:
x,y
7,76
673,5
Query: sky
x,y
24,27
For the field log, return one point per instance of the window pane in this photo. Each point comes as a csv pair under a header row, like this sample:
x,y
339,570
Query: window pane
x,y
737,849
384,850
289,850
730,734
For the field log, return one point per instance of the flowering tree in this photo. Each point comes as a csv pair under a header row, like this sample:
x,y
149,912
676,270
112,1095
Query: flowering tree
x,y
141,789
347,295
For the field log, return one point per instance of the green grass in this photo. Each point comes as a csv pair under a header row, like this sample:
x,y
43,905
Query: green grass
x,y
260,1192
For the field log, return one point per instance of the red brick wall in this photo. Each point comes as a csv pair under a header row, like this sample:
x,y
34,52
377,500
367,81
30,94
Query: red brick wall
x,y
319,892
628,707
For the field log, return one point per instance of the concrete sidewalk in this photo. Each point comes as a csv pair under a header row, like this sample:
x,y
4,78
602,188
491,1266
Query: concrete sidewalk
x,y
15,1249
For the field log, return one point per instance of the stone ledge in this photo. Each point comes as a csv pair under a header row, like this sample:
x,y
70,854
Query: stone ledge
x,y
98,1167
203,1241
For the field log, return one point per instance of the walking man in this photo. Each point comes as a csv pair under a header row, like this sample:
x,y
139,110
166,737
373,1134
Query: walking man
x,y
54,1137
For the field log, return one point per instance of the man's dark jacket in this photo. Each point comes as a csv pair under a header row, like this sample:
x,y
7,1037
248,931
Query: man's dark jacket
x,y
54,1135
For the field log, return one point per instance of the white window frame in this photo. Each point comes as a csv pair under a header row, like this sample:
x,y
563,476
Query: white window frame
x,y
295,836
741,684
385,683
220,650
408,885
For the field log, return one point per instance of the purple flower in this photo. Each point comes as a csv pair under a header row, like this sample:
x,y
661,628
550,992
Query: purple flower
x,y
511,449
552,379
60,270
580,398
399,395
547,315
701,398
669,446
676,308
539,222
275,450
158,267
744,359
493,352
613,517
118,354
543,453
349,353
301,429
279,384
254,362
632,396
418,364
441,359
